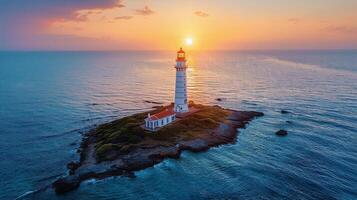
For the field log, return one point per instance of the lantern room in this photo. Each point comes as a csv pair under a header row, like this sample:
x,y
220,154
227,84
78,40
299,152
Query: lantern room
x,y
181,55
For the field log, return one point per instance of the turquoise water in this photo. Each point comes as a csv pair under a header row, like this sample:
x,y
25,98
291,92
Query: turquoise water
x,y
48,99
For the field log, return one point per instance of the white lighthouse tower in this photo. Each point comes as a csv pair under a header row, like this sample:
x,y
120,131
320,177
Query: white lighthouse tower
x,y
181,105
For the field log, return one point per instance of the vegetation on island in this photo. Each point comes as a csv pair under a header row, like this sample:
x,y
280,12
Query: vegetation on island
x,y
123,135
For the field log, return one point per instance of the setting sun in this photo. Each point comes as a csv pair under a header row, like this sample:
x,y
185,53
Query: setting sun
x,y
188,41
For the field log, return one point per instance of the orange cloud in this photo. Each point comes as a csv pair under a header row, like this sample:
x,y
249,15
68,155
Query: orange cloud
x,y
145,11
294,20
124,17
341,29
201,14
83,14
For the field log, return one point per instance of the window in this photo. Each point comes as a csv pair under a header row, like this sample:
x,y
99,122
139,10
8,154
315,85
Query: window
x,y
167,120
162,122
172,118
181,55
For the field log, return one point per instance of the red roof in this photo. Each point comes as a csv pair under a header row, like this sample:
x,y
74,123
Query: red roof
x,y
165,113
181,51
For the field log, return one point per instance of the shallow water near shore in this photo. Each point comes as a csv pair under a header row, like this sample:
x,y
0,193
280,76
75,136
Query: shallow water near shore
x,y
47,99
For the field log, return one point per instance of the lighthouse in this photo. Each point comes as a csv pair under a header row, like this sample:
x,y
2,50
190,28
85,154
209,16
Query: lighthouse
x,y
169,114
181,105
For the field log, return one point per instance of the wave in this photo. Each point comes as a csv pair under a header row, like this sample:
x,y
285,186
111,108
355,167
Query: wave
x,y
32,192
25,194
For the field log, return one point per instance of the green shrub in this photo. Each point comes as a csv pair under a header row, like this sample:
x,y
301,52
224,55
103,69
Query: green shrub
x,y
104,149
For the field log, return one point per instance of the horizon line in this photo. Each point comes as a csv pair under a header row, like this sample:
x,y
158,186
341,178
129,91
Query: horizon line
x,y
162,50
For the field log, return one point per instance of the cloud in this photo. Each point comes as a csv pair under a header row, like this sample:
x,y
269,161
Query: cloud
x,y
21,20
80,16
341,29
145,11
127,17
294,20
201,14
96,12
18,15
50,8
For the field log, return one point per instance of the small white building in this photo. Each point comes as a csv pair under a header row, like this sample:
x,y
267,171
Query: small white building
x,y
160,119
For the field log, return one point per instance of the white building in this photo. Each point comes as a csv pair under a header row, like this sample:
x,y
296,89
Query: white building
x,y
181,106
160,119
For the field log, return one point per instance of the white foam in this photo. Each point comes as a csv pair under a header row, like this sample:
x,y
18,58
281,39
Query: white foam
x,y
25,194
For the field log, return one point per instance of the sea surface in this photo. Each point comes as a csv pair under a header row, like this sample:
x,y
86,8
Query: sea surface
x,y
49,99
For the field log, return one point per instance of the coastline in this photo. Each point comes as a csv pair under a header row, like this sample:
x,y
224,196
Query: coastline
x,y
153,148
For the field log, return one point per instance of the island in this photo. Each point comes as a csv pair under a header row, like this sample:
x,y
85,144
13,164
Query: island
x,y
142,140
124,146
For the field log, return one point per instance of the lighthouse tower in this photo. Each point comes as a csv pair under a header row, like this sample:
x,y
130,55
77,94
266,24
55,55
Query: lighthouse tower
x,y
181,105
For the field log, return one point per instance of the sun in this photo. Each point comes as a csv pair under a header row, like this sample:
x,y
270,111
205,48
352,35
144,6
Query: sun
x,y
189,41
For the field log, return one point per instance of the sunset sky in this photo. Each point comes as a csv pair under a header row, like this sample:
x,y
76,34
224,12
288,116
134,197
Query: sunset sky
x,y
164,25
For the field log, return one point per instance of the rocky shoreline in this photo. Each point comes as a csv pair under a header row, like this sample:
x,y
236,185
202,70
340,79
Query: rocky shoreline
x,y
150,150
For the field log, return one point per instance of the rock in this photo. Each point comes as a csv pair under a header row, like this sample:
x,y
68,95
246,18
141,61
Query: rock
x,y
156,107
66,184
196,145
73,144
284,112
166,152
219,99
129,174
289,122
281,133
138,162
153,102
72,166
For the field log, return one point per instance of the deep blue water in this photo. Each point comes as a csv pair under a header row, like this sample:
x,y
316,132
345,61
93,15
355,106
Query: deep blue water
x,y
47,99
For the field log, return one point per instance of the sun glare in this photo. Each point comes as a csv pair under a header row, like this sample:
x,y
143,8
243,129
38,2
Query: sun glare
x,y
189,41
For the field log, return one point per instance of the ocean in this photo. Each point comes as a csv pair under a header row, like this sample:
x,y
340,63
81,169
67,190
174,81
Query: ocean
x,y
49,99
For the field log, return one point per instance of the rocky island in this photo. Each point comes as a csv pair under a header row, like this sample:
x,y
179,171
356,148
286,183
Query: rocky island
x,y
123,146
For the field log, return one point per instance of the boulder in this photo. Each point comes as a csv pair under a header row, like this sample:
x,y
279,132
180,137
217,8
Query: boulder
x,y
284,112
153,102
72,166
129,174
195,145
281,133
66,184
